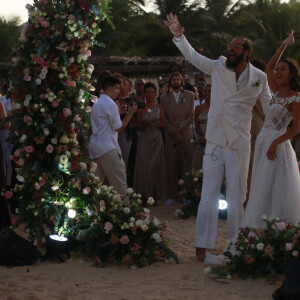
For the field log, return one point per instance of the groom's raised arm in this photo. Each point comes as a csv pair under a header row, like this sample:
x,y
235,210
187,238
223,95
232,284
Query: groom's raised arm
x,y
199,61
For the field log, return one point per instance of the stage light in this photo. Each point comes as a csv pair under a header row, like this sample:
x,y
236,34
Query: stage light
x,y
223,209
56,245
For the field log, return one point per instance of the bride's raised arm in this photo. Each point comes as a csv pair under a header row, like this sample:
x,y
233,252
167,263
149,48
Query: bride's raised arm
x,y
272,64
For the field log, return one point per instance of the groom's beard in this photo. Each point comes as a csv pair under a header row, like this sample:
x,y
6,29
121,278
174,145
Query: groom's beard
x,y
234,64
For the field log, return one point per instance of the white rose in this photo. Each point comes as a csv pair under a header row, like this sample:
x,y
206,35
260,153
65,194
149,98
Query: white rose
x,y
129,191
18,105
23,138
38,81
20,178
260,246
150,201
144,227
82,166
54,141
26,103
126,210
146,211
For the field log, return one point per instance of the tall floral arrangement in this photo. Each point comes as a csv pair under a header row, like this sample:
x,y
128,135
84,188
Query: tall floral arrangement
x,y
52,85
57,188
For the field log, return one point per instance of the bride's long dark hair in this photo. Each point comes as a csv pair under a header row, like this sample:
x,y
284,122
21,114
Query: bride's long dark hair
x,y
295,74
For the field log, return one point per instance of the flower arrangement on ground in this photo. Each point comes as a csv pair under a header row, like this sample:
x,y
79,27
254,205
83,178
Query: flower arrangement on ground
x,y
57,188
261,251
190,192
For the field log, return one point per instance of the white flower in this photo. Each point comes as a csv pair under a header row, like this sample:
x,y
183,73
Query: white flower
x,y
260,246
146,211
26,103
54,141
129,191
68,153
38,81
86,190
82,166
72,213
150,201
195,179
207,270
126,210
263,217
63,159
156,222
132,219
18,105
139,223
23,138
156,237
28,97
42,76
20,178
144,227
64,139
149,111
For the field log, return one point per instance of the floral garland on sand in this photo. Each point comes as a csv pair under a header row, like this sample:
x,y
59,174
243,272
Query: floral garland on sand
x,y
57,188
261,251
190,192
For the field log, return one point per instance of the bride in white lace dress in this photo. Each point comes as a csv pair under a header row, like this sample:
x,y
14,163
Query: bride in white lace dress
x,y
275,186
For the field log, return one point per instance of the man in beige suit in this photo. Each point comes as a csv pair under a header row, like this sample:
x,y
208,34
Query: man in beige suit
x,y
179,114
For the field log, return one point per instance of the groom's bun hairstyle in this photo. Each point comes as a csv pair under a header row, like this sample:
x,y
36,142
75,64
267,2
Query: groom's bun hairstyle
x,y
294,74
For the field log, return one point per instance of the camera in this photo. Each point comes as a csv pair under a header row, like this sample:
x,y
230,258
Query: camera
x,y
130,100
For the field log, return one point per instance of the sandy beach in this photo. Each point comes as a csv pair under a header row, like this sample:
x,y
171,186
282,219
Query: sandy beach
x,y
78,279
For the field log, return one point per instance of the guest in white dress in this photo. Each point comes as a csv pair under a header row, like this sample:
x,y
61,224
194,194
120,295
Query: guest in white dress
x,y
275,186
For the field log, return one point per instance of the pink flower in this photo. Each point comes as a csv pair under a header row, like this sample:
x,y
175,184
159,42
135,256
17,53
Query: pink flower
x,y
166,233
295,253
37,187
27,78
14,220
71,18
20,162
54,103
45,23
42,182
46,131
88,53
68,82
49,148
108,226
67,112
180,182
17,152
251,234
29,149
281,226
288,246
8,194
94,98
221,258
27,119
124,240
40,60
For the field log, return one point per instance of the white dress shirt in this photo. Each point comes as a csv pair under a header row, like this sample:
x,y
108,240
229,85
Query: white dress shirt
x,y
105,119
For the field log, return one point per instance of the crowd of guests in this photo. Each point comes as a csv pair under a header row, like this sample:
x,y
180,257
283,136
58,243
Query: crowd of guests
x,y
166,135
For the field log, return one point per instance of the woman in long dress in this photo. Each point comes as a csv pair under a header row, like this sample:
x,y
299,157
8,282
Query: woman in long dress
x,y
275,186
150,169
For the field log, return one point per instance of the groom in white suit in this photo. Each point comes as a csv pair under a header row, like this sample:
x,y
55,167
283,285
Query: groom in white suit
x,y
236,86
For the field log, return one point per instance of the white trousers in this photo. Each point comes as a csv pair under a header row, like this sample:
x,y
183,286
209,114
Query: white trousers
x,y
216,161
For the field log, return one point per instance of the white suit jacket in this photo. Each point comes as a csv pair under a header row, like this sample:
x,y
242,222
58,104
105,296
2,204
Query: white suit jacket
x,y
230,113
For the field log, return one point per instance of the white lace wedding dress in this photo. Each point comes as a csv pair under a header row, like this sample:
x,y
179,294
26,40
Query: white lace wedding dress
x,y
275,185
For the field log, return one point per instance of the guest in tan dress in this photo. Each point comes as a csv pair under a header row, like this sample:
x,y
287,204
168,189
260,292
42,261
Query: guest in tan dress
x,y
150,172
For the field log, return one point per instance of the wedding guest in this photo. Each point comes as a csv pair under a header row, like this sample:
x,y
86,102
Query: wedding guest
x,y
150,172
106,123
5,220
275,188
236,86
139,85
125,137
179,113
4,133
